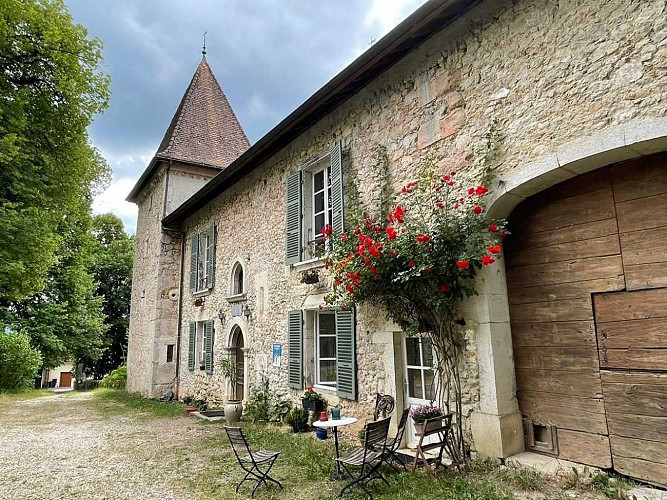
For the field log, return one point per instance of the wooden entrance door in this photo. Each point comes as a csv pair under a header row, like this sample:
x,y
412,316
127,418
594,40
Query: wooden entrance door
x,y
632,340
420,378
65,379
586,274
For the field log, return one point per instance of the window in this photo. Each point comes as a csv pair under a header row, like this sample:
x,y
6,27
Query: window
x,y
314,200
237,279
321,351
421,377
202,260
325,349
200,346
170,353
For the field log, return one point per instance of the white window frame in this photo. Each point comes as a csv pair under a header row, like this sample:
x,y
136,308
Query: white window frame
x,y
200,348
318,359
311,236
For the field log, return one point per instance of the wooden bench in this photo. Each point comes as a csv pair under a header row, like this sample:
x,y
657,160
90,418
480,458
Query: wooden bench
x,y
441,428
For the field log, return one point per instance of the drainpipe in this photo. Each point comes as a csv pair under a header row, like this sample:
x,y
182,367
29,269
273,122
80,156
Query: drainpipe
x,y
180,316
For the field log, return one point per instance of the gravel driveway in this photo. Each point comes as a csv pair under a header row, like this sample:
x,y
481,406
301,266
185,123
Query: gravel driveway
x,y
64,446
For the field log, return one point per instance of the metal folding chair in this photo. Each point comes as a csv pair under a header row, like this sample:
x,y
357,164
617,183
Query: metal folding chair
x,y
390,449
363,464
384,405
252,463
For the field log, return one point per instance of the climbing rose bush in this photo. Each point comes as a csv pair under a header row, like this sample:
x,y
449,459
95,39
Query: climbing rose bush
x,y
421,259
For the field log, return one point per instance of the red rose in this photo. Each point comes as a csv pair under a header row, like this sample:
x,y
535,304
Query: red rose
x,y
427,271
487,260
391,232
349,288
399,213
462,264
450,183
446,178
337,282
411,264
393,253
493,228
327,230
423,238
343,237
494,249
478,210
373,270
374,250
501,235
443,287
343,308
481,190
471,191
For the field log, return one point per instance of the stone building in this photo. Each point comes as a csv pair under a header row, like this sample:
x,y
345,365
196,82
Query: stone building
x,y
566,340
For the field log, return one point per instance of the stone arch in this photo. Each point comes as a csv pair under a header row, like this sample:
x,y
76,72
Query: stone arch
x,y
238,350
497,426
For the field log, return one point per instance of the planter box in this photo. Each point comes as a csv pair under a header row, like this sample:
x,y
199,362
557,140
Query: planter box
x,y
316,406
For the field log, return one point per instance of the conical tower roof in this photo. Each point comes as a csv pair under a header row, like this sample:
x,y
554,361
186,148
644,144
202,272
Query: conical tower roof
x,y
204,129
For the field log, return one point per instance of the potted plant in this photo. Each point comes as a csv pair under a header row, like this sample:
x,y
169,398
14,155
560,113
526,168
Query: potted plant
x,y
314,401
421,413
297,419
233,407
310,277
361,434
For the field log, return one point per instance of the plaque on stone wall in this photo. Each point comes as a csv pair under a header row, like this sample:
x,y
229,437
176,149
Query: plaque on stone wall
x,y
237,309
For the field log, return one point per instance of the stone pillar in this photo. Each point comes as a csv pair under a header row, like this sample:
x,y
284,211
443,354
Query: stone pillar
x,y
496,427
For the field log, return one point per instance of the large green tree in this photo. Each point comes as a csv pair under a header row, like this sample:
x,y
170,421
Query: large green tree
x,y
112,270
50,88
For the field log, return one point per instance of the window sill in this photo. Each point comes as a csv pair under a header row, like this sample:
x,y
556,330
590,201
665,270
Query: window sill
x,y
202,293
307,265
239,297
326,388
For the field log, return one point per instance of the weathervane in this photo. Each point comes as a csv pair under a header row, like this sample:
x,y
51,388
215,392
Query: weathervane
x,y
203,50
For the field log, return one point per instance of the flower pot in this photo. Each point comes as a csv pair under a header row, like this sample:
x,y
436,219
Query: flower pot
x,y
191,409
315,406
419,428
233,411
321,433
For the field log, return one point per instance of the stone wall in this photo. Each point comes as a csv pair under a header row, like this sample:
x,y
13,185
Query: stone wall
x,y
543,73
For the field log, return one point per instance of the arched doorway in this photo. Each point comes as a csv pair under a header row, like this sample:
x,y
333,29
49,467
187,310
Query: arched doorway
x,y
587,289
236,346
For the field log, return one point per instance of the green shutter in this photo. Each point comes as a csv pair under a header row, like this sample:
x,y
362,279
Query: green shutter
x,y
210,254
295,349
337,214
192,341
293,219
346,355
194,249
208,346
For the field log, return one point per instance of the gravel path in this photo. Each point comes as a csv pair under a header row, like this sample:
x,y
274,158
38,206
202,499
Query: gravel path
x,y
65,447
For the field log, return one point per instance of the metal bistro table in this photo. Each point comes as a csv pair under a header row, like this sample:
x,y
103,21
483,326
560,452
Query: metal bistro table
x,y
341,422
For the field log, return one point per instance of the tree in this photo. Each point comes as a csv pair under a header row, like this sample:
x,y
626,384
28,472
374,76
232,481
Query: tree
x,y
112,270
19,363
50,88
65,320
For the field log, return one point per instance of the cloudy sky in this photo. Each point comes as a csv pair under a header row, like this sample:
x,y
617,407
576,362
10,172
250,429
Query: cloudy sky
x,y
268,55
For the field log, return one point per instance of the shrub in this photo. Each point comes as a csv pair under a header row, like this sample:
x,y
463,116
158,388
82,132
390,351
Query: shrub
x,y
297,419
19,362
116,379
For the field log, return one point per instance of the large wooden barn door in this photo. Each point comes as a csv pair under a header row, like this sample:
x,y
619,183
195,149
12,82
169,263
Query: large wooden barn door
x,y
592,392
632,340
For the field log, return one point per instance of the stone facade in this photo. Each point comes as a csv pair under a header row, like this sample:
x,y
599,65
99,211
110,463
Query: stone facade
x,y
539,73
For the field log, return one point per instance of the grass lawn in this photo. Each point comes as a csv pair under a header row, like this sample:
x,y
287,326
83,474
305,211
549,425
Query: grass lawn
x,y
8,397
306,464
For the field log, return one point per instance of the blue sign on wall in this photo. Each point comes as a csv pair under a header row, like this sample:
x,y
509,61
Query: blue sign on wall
x,y
277,354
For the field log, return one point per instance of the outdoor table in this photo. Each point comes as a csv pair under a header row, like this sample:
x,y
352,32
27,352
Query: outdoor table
x,y
343,421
